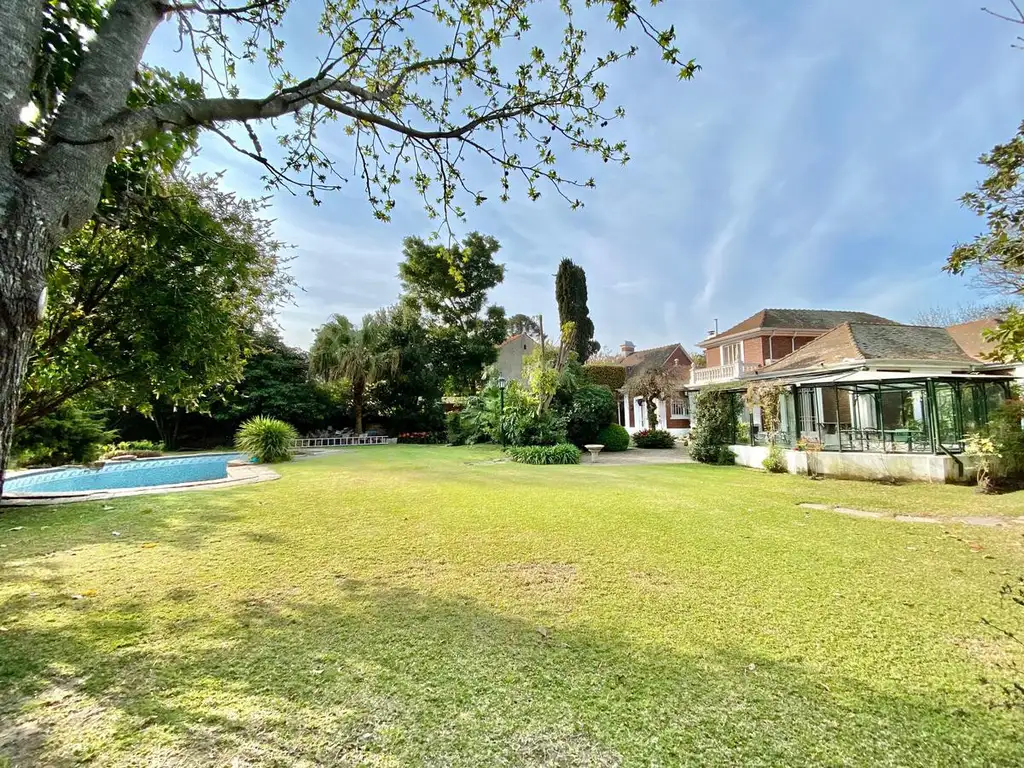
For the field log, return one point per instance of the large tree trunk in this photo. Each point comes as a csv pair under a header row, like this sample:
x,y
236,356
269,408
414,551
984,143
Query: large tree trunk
x,y
24,247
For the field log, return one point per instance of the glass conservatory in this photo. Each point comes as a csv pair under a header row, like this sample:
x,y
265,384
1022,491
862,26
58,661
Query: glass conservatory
x,y
907,415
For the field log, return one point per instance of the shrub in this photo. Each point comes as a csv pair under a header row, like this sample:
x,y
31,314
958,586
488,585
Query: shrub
x,y
591,408
775,461
653,438
1006,433
726,455
67,435
524,426
716,411
455,428
143,449
269,440
613,438
611,375
563,453
709,453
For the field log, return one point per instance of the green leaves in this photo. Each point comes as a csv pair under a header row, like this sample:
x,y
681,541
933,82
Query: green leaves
x,y
997,256
157,300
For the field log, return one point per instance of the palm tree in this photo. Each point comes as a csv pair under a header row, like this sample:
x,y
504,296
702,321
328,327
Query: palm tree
x,y
360,355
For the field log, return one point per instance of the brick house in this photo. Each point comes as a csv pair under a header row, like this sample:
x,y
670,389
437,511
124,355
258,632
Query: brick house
x,y
674,414
766,336
879,400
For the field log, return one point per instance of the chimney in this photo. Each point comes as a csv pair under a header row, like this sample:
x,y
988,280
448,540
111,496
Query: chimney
x,y
627,348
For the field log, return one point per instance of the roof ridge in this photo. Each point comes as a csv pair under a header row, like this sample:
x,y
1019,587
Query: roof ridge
x,y
829,332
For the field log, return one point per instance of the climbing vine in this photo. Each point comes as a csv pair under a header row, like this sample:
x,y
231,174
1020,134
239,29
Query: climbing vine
x,y
767,395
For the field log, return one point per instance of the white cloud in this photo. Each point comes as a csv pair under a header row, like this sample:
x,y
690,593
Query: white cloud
x,y
815,161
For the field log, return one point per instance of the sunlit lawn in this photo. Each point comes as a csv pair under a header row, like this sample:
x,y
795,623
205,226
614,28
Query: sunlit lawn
x,y
424,606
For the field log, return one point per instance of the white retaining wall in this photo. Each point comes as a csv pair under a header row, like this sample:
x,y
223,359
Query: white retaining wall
x,y
865,466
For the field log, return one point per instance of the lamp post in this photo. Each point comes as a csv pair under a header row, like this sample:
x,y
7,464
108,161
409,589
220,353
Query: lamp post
x,y
502,383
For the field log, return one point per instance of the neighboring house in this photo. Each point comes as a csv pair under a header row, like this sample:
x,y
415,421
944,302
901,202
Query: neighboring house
x,y
674,413
511,353
765,337
880,399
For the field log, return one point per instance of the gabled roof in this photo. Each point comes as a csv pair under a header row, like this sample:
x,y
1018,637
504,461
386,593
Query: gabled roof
x,y
860,342
796,319
970,339
642,360
515,337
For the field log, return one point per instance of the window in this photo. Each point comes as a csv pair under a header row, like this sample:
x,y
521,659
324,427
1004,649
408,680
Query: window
x,y
731,353
680,407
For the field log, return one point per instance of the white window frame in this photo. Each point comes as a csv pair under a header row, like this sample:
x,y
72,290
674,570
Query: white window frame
x,y
737,348
684,406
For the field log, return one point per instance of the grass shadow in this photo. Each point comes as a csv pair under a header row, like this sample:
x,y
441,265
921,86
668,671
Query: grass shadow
x,y
383,675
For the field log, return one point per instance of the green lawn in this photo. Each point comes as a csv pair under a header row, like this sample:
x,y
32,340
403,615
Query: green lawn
x,y
423,606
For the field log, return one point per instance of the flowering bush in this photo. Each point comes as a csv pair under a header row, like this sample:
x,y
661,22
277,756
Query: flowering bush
x,y
653,438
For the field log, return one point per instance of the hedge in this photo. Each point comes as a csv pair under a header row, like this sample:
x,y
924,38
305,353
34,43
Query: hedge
x,y
612,375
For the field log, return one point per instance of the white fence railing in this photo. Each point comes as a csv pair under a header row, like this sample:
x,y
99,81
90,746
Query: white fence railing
x,y
720,373
339,442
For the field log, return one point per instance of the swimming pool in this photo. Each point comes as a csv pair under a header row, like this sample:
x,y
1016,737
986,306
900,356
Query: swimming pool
x,y
128,474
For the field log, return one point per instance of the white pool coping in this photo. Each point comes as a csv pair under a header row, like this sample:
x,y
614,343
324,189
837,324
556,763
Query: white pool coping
x,y
239,473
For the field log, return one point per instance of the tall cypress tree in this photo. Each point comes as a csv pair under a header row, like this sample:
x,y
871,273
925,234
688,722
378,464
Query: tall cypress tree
x,y
571,294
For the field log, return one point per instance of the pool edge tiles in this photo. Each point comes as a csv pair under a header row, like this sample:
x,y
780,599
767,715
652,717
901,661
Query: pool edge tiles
x,y
241,474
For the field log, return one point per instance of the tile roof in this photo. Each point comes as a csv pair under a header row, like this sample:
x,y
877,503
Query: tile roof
x,y
873,341
515,336
644,359
968,336
811,319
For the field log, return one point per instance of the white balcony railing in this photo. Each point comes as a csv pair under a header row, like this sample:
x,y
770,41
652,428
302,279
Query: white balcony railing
x,y
720,373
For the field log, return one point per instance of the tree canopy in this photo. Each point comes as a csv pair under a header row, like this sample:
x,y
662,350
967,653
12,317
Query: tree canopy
x,y
571,294
276,383
524,324
450,286
157,299
999,252
362,356
415,88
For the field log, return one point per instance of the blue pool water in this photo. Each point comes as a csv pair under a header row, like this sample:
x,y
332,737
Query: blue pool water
x,y
129,474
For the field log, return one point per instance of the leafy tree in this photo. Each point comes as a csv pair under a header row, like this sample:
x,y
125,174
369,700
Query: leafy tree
x,y
449,286
699,359
276,383
157,302
1000,250
652,385
342,351
591,409
571,294
417,87
544,368
409,400
524,324
69,434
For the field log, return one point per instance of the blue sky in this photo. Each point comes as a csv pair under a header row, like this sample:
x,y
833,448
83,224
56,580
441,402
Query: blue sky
x,y
815,161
